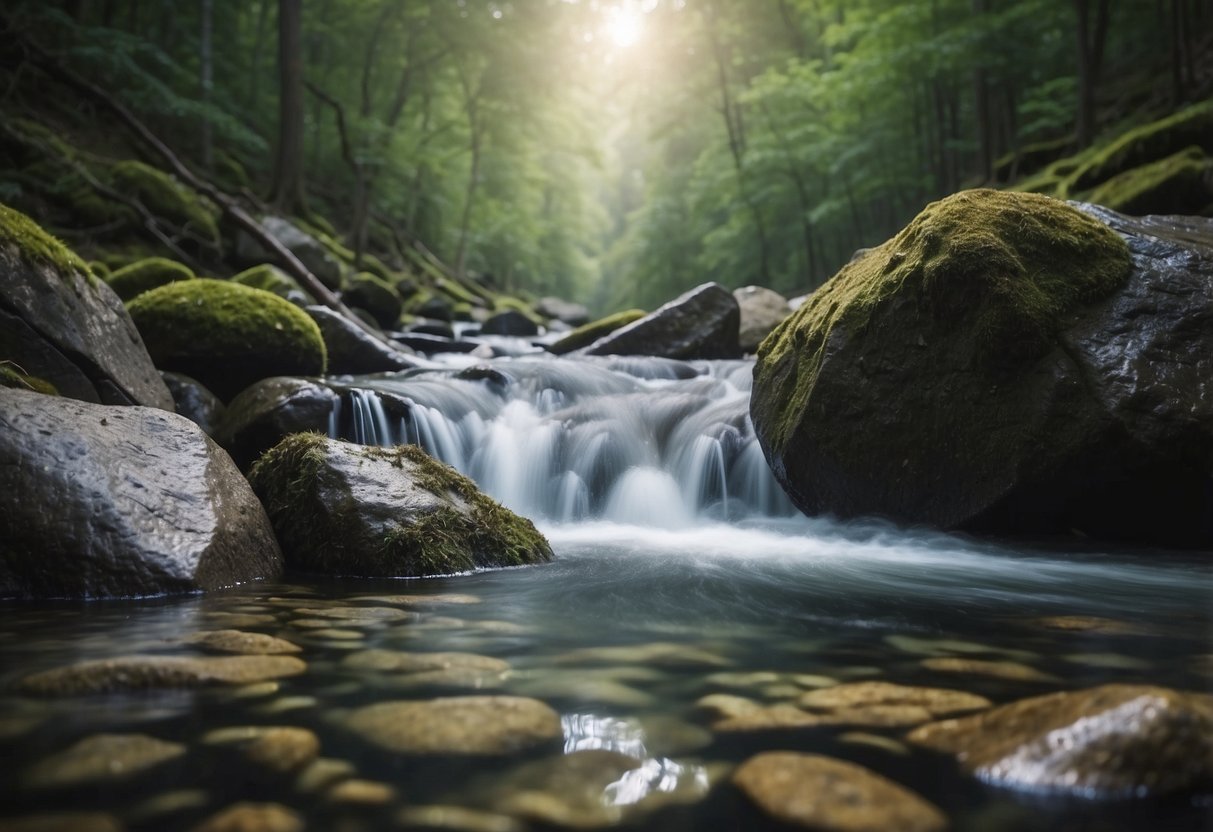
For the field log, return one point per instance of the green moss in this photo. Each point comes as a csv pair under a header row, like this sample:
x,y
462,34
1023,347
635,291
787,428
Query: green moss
x,y
1174,185
11,375
376,296
505,303
455,292
1145,144
98,268
164,197
36,246
587,334
1009,265
144,275
318,522
269,278
226,335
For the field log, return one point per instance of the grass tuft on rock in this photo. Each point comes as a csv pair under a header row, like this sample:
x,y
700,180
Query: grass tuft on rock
x,y
1011,266
144,275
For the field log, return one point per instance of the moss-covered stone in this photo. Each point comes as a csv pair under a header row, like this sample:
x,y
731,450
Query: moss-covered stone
x,y
1145,144
347,509
14,377
1178,184
1011,265
269,278
35,245
226,335
374,295
585,335
144,275
164,197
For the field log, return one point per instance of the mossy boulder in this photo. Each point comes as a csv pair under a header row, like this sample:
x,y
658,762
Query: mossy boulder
x,y
226,335
165,197
311,252
376,296
1178,184
141,276
345,509
1145,144
701,323
352,351
587,334
269,278
59,323
1006,363
271,410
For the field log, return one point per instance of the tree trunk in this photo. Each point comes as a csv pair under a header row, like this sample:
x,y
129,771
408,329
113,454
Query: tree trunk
x,y
1090,59
287,193
208,83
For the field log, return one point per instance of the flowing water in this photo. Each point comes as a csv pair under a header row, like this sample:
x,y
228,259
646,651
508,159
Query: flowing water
x,y
681,572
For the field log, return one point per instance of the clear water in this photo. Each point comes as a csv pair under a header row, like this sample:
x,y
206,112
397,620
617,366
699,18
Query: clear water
x,y
622,634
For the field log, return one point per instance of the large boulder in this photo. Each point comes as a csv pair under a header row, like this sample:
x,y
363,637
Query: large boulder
x,y
60,323
226,335
1007,363
318,259
376,297
351,350
269,411
346,509
100,502
1115,741
195,402
761,311
702,323
587,334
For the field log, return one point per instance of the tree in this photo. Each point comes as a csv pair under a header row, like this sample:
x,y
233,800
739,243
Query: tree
x,y
287,192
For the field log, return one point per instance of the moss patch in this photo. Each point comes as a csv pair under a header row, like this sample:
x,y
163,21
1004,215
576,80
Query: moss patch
x,y
226,335
270,278
323,527
1145,144
14,377
36,246
1177,184
587,334
144,275
1009,265
164,197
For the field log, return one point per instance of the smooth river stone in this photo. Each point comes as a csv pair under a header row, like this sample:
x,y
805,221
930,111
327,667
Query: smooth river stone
x,y
361,793
350,615
283,750
1114,741
944,646
475,725
567,790
935,701
663,654
151,672
322,773
104,758
725,706
421,600
62,822
399,661
815,792
237,641
1087,624
456,819
1010,671
253,817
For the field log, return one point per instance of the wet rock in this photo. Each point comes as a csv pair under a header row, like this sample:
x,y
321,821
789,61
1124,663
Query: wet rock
x,y
253,817
935,701
62,822
761,311
790,718
948,646
351,615
1011,671
311,252
347,509
444,599
653,654
396,661
351,350
569,790
874,741
167,803
1111,741
61,324
262,415
510,322
722,706
457,819
361,793
815,792
1086,624
288,703
152,672
592,691
248,644
283,750
1047,372
194,402
573,314
702,323
104,758
376,297
322,773
102,502
1109,661
473,725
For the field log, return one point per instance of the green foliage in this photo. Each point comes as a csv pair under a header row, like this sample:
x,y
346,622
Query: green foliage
x,y
1011,265
143,275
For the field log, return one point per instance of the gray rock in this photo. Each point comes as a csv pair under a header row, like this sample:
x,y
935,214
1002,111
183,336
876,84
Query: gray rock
x,y
761,311
311,252
815,792
263,414
351,350
61,324
1116,741
950,402
194,401
702,323
347,509
573,314
510,322
102,501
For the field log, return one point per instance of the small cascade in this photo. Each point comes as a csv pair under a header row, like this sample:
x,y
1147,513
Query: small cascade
x,y
641,441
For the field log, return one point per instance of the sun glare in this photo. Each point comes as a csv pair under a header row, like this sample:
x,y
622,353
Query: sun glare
x,y
624,27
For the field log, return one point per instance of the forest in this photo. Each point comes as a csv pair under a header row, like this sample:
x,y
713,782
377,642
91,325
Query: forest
x,y
611,153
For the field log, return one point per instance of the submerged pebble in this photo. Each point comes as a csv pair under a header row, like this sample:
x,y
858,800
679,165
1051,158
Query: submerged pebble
x,y
661,654
103,758
322,773
167,803
62,822
456,819
1011,671
253,817
237,641
361,793
147,672
477,725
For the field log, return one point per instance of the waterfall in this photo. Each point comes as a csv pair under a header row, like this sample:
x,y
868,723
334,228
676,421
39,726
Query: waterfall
x,y
642,441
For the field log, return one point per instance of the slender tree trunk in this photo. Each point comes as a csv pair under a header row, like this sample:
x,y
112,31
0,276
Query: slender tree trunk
x,y
207,72
254,89
1090,43
288,194
982,111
